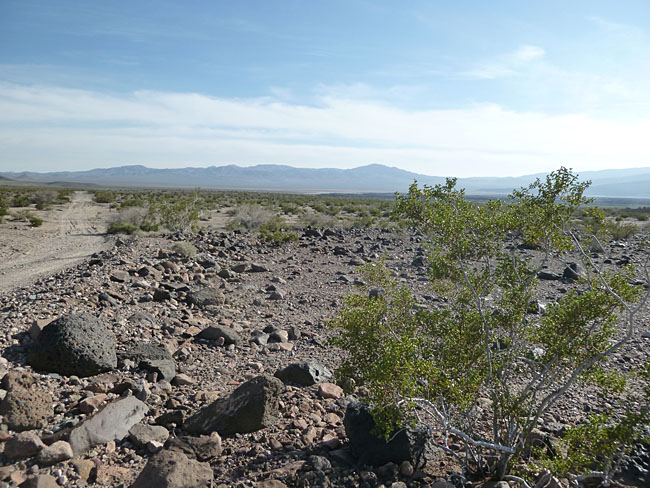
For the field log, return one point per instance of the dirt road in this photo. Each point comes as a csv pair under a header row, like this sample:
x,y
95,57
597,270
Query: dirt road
x,y
69,234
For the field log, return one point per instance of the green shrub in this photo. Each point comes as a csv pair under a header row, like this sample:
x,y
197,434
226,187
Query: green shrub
x,y
435,365
149,226
119,227
104,196
184,249
621,230
277,237
20,200
35,221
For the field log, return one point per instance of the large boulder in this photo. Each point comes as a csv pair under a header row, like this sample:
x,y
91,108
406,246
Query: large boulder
x,y
111,424
251,407
304,373
152,357
74,345
25,407
173,469
410,444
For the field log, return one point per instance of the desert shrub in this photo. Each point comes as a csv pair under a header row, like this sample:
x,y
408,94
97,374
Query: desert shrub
x,y
102,196
3,206
27,216
63,196
184,249
621,230
119,227
434,366
20,200
251,217
274,232
139,218
148,225
35,221
177,213
43,199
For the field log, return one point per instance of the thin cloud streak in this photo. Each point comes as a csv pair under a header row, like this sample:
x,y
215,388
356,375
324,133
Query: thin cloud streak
x,y
44,128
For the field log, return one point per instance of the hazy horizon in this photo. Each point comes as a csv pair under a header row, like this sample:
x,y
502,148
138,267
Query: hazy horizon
x,y
438,89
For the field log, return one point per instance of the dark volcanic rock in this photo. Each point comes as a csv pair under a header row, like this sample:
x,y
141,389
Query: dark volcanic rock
x,y
407,445
547,275
215,332
305,373
152,357
173,469
74,345
252,406
25,407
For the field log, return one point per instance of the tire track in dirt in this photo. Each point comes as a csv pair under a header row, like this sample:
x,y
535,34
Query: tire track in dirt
x,y
71,236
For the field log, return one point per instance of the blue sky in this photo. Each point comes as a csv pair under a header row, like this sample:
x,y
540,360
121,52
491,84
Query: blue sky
x,y
467,88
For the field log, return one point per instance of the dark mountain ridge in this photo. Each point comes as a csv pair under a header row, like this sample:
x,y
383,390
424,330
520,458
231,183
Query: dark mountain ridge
x,y
372,178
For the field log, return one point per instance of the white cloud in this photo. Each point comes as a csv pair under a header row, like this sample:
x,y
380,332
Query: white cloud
x,y
45,128
528,53
505,65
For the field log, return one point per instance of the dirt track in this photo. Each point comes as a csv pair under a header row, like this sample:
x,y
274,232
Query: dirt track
x,y
69,234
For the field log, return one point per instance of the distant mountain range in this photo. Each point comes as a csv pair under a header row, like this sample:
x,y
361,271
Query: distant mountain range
x,y
373,178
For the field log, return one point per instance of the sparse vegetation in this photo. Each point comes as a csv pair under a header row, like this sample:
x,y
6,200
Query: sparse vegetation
x,y
437,366
119,227
184,248
104,196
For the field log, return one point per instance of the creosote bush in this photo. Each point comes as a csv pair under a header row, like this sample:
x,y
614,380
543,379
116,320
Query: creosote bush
x,y
437,366
184,249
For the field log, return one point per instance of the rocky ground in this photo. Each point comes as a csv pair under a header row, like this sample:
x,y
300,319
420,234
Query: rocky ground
x,y
105,365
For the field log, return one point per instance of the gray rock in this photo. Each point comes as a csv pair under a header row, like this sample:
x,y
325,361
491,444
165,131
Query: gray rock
x,y
55,453
411,444
152,357
320,463
214,332
258,268
112,423
305,373
173,469
160,295
74,345
547,275
25,444
206,297
224,273
202,448
24,406
572,272
279,336
276,295
141,434
143,320
207,261
259,337
40,481
239,267
251,407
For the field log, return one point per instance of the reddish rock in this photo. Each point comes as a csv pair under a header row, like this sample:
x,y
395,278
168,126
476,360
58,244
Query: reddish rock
x,y
89,405
330,390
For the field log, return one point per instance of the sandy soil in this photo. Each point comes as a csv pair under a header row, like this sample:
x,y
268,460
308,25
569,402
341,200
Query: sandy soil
x,y
69,234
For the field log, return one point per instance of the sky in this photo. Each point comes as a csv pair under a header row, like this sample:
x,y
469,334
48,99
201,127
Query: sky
x,y
464,88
